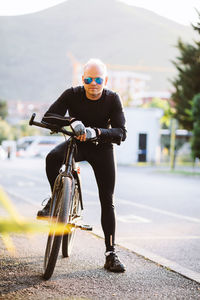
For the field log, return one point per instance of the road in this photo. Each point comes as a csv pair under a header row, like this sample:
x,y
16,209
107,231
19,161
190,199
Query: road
x,y
158,214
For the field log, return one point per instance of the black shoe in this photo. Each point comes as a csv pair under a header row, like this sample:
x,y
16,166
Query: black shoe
x,y
45,212
113,263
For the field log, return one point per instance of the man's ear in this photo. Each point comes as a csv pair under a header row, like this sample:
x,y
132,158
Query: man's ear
x,y
82,79
106,80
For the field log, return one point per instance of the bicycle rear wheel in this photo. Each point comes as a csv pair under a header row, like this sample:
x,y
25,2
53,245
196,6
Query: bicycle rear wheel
x,y
59,209
74,215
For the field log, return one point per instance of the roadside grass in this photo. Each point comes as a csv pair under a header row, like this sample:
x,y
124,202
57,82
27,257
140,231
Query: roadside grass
x,y
181,168
180,172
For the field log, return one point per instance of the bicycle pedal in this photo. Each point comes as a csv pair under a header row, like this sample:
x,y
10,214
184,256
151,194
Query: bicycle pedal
x,y
85,227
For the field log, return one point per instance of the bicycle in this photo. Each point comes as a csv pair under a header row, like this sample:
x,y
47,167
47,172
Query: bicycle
x,y
66,203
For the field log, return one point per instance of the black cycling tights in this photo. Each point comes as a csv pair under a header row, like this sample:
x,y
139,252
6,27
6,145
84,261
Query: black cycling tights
x,y
101,158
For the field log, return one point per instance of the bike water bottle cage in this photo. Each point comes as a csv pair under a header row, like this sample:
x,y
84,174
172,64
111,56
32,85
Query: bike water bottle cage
x,y
89,80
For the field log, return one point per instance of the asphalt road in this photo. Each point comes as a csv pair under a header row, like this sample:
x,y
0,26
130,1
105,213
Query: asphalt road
x,y
158,214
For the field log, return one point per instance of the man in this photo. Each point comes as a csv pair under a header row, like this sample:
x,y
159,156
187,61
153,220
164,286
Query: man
x,y
92,110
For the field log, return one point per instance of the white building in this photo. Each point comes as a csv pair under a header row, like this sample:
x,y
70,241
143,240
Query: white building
x,y
127,83
143,137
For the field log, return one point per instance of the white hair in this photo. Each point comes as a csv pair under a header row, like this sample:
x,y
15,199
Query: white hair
x,y
97,62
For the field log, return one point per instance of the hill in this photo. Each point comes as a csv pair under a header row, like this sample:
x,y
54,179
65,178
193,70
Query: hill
x,y
34,64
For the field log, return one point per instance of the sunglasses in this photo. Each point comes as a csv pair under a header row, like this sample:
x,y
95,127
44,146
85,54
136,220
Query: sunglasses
x,y
98,80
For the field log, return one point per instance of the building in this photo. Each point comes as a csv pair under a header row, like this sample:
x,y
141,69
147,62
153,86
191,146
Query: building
x,y
22,110
122,79
127,83
143,138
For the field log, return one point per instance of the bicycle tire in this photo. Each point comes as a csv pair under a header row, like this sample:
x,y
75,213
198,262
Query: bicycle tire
x,y
75,210
58,214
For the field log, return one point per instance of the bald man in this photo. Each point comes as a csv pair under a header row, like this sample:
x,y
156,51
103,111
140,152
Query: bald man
x,y
95,113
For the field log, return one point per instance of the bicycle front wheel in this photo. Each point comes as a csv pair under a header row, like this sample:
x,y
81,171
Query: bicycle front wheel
x,y
73,217
58,214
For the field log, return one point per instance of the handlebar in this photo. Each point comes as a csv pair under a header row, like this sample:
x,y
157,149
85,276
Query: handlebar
x,y
53,128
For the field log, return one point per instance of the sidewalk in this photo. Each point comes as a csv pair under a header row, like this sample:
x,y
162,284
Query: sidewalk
x,y
82,275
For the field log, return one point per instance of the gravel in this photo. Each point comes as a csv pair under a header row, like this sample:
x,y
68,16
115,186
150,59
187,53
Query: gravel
x,y
82,276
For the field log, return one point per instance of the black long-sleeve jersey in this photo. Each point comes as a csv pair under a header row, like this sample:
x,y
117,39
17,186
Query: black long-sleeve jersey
x,y
106,113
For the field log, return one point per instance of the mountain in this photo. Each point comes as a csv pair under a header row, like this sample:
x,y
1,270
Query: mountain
x,y
34,61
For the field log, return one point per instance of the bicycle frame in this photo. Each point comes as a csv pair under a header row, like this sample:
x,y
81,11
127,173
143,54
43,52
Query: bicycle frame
x,y
69,164
70,167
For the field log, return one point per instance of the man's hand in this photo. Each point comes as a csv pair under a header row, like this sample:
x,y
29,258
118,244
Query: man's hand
x,y
78,128
81,137
90,134
84,133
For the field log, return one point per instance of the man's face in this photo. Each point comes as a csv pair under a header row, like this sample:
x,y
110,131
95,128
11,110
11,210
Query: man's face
x,y
93,89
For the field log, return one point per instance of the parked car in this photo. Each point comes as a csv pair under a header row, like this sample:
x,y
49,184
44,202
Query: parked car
x,y
37,146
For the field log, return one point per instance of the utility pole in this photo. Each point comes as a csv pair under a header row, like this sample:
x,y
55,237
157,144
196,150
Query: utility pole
x,y
172,144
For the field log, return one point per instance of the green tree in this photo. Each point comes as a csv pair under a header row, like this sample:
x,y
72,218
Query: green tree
x,y
24,129
186,83
165,106
196,126
3,109
6,131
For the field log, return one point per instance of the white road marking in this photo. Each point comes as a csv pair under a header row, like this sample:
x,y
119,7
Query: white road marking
x,y
39,179
143,206
23,198
163,237
132,219
131,203
164,212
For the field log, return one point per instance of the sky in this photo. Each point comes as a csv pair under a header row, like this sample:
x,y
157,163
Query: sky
x,y
181,11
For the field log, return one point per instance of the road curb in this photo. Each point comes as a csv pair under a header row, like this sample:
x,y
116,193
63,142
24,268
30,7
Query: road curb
x,y
159,260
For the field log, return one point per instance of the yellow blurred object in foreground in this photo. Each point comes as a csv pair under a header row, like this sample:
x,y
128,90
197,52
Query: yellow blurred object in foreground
x,y
17,224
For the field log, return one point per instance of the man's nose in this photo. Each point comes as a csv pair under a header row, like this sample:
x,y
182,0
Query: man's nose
x,y
93,82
